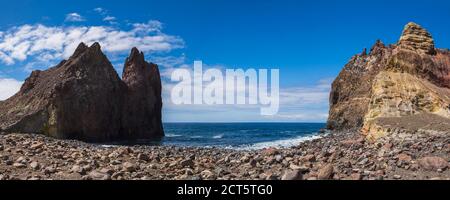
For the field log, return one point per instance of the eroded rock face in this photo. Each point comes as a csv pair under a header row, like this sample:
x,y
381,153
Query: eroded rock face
x,y
143,99
350,92
416,38
411,78
84,98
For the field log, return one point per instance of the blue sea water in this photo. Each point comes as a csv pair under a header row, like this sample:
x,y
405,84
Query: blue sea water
x,y
239,135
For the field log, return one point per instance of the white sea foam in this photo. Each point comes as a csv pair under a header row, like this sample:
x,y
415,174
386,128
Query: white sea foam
x,y
108,146
284,143
218,136
173,135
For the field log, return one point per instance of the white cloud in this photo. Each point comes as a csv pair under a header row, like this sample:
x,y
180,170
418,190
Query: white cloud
x,y
8,87
109,18
306,104
49,43
151,26
74,17
101,11
299,96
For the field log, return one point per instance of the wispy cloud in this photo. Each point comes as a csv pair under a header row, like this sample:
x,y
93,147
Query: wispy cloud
x,y
106,17
8,87
169,63
305,103
301,96
109,18
39,42
74,17
101,11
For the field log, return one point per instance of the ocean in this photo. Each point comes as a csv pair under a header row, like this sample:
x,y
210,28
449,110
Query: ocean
x,y
242,136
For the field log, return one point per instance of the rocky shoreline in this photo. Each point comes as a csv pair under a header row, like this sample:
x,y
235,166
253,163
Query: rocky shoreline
x,y
338,156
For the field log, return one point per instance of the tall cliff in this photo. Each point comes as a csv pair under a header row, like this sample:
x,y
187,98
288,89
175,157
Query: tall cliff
x,y
401,87
84,98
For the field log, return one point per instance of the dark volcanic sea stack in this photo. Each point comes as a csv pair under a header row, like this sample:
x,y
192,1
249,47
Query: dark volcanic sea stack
x,y
143,100
401,87
84,98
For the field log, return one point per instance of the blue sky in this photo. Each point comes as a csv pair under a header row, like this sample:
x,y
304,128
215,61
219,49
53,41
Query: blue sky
x,y
308,41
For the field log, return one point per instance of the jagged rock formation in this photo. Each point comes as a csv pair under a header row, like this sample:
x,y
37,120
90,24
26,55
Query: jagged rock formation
x,y
143,99
416,38
375,92
84,98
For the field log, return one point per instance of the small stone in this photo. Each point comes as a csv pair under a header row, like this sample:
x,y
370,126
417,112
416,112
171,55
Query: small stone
x,y
124,151
188,172
397,176
294,167
414,167
325,172
388,146
9,162
95,175
195,178
292,175
115,162
107,171
22,160
433,163
19,165
302,168
245,159
279,158
364,161
404,158
206,174
187,163
117,175
78,169
288,159
34,178
37,145
309,158
143,157
87,167
271,177
380,172
253,163
270,152
113,155
356,176
49,170
129,167
35,165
